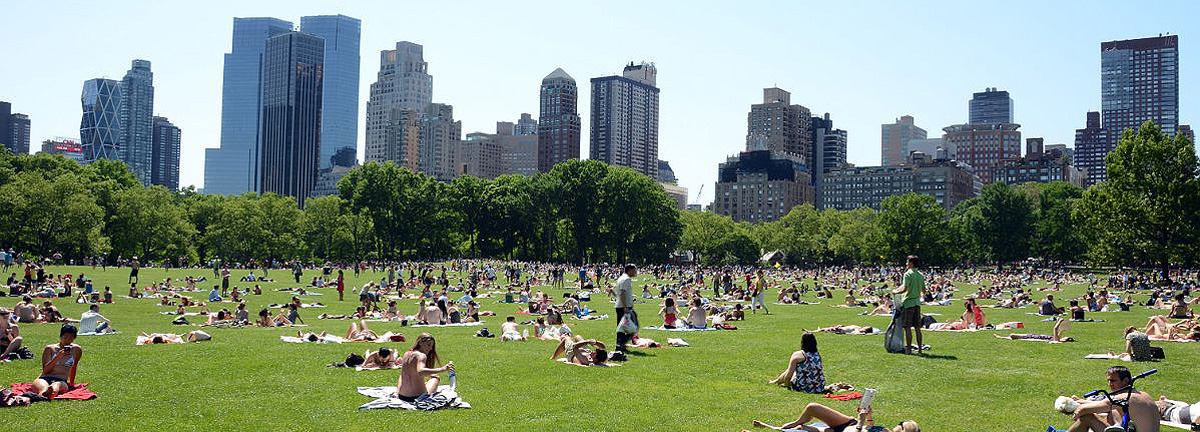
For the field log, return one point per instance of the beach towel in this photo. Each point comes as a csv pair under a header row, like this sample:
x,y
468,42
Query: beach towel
x,y
677,342
445,397
326,339
171,339
606,364
678,329
470,324
99,334
1107,357
844,396
79,392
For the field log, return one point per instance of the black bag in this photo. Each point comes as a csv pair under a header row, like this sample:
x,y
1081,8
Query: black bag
x,y
927,320
180,321
354,360
1157,353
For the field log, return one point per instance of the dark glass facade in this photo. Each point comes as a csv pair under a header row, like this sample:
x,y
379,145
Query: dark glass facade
x,y
293,69
100,128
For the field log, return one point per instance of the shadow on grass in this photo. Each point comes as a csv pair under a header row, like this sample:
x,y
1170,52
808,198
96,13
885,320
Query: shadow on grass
x,y
639,354
938,357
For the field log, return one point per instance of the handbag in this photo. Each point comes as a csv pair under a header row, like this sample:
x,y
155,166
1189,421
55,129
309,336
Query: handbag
x,y
627,325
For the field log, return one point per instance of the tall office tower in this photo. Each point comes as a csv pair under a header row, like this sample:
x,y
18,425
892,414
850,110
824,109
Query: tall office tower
x,y
165,155
559,125
18,133
231,168
990,106
5,128
829,152
984,146
339,112
1139,81
1092,144
137,120
779,126
292,82
895,140
624,128
403,82
100,128
526,125
440,135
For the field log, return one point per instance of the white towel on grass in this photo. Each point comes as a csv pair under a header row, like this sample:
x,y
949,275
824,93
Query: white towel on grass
x,y
385,397
470,324
680,329
326,339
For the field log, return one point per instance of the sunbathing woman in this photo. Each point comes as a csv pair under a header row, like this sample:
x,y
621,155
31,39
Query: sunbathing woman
x,y
805,371
578,352
1057,337
59,363
669,313
838,422
884,308
280,320
418,376
359,332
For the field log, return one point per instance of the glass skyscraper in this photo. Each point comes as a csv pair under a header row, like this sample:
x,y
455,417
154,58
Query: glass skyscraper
x,y
339,123
292,87
100,128
137,120
230,169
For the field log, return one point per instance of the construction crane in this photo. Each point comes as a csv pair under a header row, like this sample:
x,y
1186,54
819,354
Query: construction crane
x,y
698,195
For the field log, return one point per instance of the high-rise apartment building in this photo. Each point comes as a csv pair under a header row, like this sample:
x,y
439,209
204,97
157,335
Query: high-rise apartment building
x,y
761,186
479,155
137,120
1092,144
519,152
5,128
292,83
984,146
165,154
990,106
1139,81
402,143
440,134
100,128
559,125
231,169
14,129
624,124
779,126
339,112
403,84
895,139
526,125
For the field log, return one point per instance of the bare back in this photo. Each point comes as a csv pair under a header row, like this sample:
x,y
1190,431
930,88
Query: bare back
x,y
411,384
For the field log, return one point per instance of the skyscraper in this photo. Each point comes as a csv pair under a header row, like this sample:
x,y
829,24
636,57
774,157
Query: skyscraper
x,y
165,154
440,134
293,69
829,152
1092,144
18,127
339,113
137,120
231,168
779,126
624,127
990,106
5,128
1139,81
895,140
526,125
402,84
100,128
559,126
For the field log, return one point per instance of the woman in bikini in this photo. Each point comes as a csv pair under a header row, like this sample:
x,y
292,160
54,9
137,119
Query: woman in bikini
x,y
418,376
59,363
669,313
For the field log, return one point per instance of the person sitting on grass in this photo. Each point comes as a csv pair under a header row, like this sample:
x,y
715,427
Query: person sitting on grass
x,y
576,351
382,359
1098,415
884,308
10,335
1137,346
214,295
219,317
1180,308
509,330
280,320
838,422
1048,308
391,312
669,313
805,371
92,322
1059,328
241,314
26,311
418,376
696,316
59,363
50,314
293,316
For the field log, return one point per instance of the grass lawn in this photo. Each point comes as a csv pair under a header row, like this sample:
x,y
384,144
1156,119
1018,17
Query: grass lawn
x,y
247,379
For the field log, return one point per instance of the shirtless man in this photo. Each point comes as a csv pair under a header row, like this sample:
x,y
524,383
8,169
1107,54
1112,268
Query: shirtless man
x,y
417,374
1143,412
578,352
26,311
382,359
10,335
433,315
59,363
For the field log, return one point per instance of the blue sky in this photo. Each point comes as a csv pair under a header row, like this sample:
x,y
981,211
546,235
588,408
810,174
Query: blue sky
x,y
865,62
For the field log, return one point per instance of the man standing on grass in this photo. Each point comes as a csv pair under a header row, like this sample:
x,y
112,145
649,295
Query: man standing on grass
x,y
625,303
908,299
760,287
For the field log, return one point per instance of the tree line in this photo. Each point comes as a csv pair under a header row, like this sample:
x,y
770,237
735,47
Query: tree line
x,y
1146,214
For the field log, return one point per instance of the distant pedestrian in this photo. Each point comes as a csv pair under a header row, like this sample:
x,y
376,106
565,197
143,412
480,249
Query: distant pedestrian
x,y
624,294
908,299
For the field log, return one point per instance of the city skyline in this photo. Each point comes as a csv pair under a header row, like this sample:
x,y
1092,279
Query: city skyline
x,y
700,124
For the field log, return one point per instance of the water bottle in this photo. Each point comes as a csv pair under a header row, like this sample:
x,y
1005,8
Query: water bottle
x,y
453,376
525,334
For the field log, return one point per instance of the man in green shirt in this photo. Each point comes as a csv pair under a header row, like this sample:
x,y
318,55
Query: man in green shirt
x,y
908,300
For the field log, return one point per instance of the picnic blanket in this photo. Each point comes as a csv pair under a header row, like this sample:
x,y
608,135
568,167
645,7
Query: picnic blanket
x,y
1107,357
678,329
845,396
325,339
302,305
184,314
470,324
100,334
606,364
171,339
385,397
79,392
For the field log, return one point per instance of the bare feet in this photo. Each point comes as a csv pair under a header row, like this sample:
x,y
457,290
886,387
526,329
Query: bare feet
x,y
760,424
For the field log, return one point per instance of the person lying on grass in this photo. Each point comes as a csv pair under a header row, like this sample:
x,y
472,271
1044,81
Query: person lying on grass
x,y
636,341
1178,412
1160,328
359,332
172,338
382,359
883,308
418,376
846,329
1099,415
838,422
576,351
221,316
1057,337
59,363
805,371
510,331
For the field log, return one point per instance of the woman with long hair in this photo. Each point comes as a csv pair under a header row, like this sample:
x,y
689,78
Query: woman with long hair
x,y
418,376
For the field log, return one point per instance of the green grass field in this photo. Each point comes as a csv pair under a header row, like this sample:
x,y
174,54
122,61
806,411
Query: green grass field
x,y
247,379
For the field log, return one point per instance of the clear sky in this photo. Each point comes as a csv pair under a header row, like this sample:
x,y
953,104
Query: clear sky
x,y
865,62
